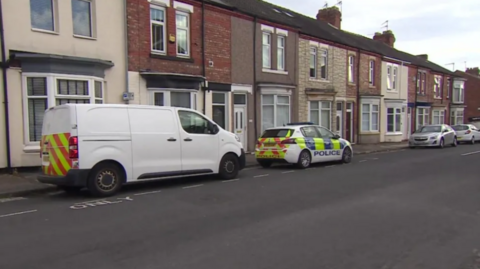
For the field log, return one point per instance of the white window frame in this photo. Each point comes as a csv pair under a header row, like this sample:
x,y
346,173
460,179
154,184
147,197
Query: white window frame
x,y
395,78
392,77
54,16
164,25
268,45
225,104
320,109
437,89
281,52
457,116
167,96
92,20
458,95
395,123
323,57
440,115
187,29
275,104
425,116
371,73
351,68
52,96
371,114
313,53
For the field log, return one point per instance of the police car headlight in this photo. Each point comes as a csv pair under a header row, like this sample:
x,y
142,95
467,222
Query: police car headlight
x,y
237,138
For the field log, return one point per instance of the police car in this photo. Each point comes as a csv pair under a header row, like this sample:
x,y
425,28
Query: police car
x,y
301,144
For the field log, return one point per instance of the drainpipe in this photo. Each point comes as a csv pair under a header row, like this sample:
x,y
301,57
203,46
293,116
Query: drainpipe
x,y
5,90
357,80
126,47
417,84
204,72
255,113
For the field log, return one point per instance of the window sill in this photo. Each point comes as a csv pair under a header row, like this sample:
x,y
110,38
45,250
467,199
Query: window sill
x,y
31,149
280,72
437,98
319,80
351,84
156,55
392,90
45,31
85,37
393,134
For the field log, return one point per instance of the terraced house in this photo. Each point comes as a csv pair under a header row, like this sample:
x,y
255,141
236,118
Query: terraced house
x,y
56,52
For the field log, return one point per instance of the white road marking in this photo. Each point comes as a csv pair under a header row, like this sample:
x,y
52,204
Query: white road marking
x,y
265,175
362,161
13,199
470,153
145,193
193,186
231,180
18,213
92,201
286,172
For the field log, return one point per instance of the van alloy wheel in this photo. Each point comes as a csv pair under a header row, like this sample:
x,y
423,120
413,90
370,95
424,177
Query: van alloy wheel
x,y
106,180
229,166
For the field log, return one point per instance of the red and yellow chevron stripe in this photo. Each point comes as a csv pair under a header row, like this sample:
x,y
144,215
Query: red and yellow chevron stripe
x,y
55,147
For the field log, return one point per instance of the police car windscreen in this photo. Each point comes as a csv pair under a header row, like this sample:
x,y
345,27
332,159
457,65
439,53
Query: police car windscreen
x,y
460,127
276,133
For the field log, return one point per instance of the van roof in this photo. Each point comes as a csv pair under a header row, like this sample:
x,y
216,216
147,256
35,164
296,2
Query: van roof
x,y
118,106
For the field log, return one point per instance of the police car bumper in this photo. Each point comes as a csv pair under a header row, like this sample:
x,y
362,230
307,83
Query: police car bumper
x,y
290,156
73,178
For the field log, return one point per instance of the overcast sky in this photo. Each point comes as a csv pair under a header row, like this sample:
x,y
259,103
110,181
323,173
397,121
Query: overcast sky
x,y
448,31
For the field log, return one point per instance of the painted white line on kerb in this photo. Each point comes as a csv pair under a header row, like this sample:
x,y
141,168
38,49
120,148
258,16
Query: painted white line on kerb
x,y
145,193
266,175
231,180
6,200
286,172
470,153
193,186
18,213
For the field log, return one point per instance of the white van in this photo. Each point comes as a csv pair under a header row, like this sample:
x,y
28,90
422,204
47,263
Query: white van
x,y
101,147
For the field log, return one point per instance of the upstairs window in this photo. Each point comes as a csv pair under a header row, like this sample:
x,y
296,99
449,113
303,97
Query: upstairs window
x,y
324,64
157,29
371,73
313,62
351,69
42,15
82,18
437,87
182,21
266,50
281,53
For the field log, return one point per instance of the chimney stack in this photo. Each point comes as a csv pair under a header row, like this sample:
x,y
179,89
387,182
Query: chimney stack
x,y
473,71
423,56
331,15
386,37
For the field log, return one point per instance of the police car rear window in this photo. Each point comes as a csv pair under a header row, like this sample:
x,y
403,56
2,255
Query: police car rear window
x,y
276,133
460,127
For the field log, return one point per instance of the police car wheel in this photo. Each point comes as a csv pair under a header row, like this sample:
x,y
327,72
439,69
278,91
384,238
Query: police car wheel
x,y
229,166
265,164
442,143
454,144
347,155
105,180
304,159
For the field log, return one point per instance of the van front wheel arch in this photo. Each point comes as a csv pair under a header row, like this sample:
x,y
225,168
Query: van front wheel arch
x,y
105,179
229,166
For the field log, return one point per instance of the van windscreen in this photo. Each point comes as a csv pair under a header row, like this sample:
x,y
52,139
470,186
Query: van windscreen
x,y
277,133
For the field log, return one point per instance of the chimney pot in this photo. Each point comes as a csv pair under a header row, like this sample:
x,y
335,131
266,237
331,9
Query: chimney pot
x,y
330,15
473,71
387,37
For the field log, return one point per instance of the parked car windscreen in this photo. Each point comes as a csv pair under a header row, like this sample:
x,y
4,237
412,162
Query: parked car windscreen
x,y
460,127
429,129
276,133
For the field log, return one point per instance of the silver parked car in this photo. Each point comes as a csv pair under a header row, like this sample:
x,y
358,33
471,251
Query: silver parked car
x,y
436,135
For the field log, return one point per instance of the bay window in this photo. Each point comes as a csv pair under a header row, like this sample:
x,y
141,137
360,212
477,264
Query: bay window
x,y
275,110
184,99
42,91
438,116
457,94
320,113
423,116
394,120
456,117
370,115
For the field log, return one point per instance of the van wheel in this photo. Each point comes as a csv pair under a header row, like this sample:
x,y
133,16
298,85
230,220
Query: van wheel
x,y
304,160
265,164
105,180
229,167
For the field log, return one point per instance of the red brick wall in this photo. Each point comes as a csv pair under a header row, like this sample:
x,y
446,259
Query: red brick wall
x,y
472,95
139,48
365,87
218,46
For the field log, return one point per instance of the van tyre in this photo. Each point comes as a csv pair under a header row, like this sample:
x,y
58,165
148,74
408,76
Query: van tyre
x,y
229,167
105,180
442,143
304,160
265,164
347,155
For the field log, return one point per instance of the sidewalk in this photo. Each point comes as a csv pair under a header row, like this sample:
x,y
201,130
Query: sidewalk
x,y
26,183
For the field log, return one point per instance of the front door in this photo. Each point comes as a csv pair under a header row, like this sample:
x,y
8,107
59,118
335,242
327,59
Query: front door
x,y
339,119
239,125
349,121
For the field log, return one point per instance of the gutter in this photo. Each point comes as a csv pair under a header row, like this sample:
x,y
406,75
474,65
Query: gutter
x,y
255,113
125,16
4,65
357,80
396,60
204,72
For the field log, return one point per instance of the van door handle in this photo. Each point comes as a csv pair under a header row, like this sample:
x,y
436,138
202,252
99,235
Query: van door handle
x,y
171,139
187,139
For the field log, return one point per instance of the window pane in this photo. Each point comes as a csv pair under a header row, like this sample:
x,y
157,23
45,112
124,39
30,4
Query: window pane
x,y
82,20
193,123
72,101
374,121
267,99
157,37
98,89
266,39
239,99
280,59
390,123
326,104
325,119
315,116
182,20
219,115
72,87
283,115
266,56
283,100
374,107
182,41
36,86
390,110
398,122
98,101
323,65
36,111
180,99
365,121
158,99
41,14
218,98
157,15
314,105
267,117
366,108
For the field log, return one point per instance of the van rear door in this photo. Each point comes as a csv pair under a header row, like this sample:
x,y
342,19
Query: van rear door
x,y
56,131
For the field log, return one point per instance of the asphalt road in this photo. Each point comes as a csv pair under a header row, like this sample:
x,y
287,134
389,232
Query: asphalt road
x,y
408,209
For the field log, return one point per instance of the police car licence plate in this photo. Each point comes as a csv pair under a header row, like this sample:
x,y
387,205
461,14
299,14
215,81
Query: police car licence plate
x,y
45,158
269,144
269,157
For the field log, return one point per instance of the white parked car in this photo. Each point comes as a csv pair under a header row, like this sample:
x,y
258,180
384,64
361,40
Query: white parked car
x,y
101,147
467,133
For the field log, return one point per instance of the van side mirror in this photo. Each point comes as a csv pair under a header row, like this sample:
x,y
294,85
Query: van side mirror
x,y
213,128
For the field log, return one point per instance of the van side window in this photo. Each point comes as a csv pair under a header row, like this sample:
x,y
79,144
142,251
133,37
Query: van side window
x,y
193,123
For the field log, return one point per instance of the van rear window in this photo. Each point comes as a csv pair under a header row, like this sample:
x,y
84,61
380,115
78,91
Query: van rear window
x,y
460,127
276,133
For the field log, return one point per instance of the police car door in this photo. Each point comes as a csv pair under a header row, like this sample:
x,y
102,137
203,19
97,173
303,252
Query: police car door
x,y
314,143
333,146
